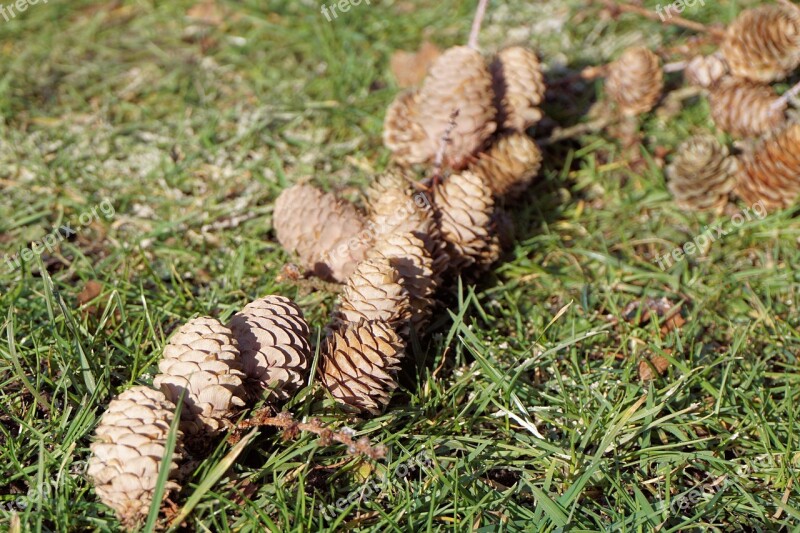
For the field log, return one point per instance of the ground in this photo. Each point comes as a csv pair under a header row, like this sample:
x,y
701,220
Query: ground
x,y
161,141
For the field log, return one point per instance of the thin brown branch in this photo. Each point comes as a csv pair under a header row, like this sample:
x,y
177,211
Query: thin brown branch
x,y
476,24
291,428
561,134
786,98
671,20
443,142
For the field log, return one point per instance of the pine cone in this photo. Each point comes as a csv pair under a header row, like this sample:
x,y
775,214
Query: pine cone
x,y
202,359
465,206
519,88
635,81
702,174
745,109
359,363
273,341
510,165
706,71
395,208
402,132
458,81
771,173
375,292
763,44
130,444
325,232
407,254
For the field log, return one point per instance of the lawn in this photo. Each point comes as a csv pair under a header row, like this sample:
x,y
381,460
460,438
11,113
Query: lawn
x,y
576,387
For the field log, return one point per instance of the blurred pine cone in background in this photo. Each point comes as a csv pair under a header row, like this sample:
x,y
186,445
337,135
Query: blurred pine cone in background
x,y
744,108
705,71
635,81
771,173
403,134
519,88
129,447
510,165
763,44
702,174
325,232
359,363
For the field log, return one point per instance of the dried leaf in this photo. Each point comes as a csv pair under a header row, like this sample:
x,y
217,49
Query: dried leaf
x,y
409,68
206,12
649,370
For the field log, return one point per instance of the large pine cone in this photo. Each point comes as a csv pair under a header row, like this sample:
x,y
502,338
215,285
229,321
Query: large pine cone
x,y
130,444
763,44
325,232
408,255
359,363
706,71
510,165
402,132
635,81
465,206
375,292
458,81
745,109
273,342
202,360
702,174
519,88
771,173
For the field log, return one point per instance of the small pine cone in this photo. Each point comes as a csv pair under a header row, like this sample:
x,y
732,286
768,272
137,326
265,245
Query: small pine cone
x,y
359,363
519,88
745,109
635,81
375,292
763,44
324,231
130,444
458,81
771,173
702,174
402,132
273,342
706,71
202,359
413,262
510,165
465,206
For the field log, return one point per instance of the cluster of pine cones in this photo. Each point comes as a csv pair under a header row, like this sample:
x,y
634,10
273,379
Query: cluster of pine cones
x,y
216,371
761,46
468,118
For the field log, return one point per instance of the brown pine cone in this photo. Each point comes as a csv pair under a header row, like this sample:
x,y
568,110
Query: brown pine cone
x,y
510,165
273,342
375,292
465,206
359,363
129,447
519,88
202,360
745,109
763,44
458,81
771,173
325,232
706,71
408,255
702,174
403,134
635,81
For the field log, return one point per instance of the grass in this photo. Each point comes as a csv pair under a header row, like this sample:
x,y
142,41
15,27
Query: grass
x,y
525,393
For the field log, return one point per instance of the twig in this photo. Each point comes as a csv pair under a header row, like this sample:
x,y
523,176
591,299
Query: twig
x,y
292,427
561,134
674,20
785,98
476,24
676,66
443,142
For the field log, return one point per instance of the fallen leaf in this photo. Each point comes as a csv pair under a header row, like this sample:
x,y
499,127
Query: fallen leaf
x,y
669,313
90,291
410,68
206,12
646,368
